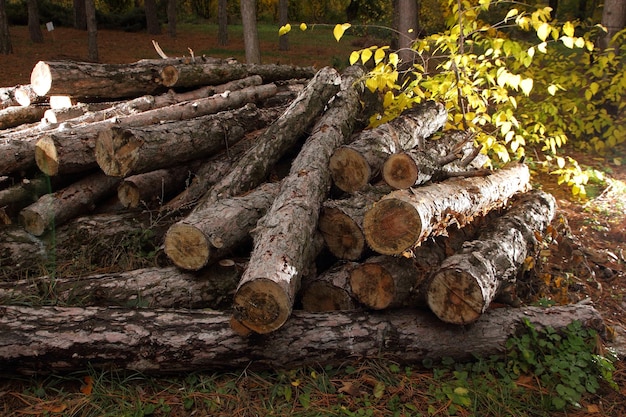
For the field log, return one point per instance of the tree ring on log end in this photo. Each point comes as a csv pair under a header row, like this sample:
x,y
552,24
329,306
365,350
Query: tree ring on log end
x,y
372,285
41,78
117,150
349,169
400,171
455,297
169,76
342,235
261,305
46,156
392,226
187,246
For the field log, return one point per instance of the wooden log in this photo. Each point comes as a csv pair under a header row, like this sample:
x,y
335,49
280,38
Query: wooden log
x,y
20,253
402,219
330,290
341,222
155,287
82,155
57,208
267,291
468,281
124,151
355,165
61,339
26,192
437,160
7,97
25,95
15,116
229,223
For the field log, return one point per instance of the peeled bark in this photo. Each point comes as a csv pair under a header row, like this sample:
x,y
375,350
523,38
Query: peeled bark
x,y
266,294
56,209
355,165
46,339
402,219
219,231
468,281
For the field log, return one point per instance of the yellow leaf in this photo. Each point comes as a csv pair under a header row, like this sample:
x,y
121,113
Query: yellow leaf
x,y
579,42
526,85
339,30
284,29
560,161
303,26
511,13
568,29
371,84
552,89
354,57
594,87
542,47
379,55
393,59
568,41
366,54
543,31
531,51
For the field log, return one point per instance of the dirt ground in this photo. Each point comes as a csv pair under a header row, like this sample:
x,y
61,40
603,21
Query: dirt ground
x,y
590,261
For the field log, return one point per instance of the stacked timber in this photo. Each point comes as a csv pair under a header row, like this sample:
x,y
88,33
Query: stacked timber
x,y
284,230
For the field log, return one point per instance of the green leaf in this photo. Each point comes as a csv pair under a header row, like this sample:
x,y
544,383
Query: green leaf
x,y
339,30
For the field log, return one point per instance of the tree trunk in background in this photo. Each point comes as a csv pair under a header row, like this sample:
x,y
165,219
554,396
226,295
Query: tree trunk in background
x,y
92,30
222,18
5,37
80,15
152,19
171,17
283,18
614,19
34,30
250,33
405,19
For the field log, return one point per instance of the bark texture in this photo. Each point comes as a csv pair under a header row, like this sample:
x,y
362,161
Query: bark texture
x,y
15,116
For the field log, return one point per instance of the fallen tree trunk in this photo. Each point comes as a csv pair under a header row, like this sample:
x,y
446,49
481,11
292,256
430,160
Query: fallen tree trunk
x,y
15,116
355,165
404,218
46,339
266,294
157,287
228,224
72,201
468,281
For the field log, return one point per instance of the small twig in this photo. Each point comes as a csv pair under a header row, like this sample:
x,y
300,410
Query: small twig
x,y
159,50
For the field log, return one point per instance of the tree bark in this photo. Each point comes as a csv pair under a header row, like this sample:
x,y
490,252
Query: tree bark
x,y
266,294
156,287
15,116
227,225
21,195
7,97
34,28
355,165
408,29
283,19
92,31
20,253
61,339
152,18
124,151
222,19
57,208
250,33
402,219
6,47
614,19
171,17
80,15
468,281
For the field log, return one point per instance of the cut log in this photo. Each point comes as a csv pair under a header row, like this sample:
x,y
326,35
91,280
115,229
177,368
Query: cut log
x,y
267,291
330,290
355,165
72,201
20,253
15,116
404,218
25,95
7,97
26,192
228,224
468,281
61,339
438,160
156,287
126,151
341,222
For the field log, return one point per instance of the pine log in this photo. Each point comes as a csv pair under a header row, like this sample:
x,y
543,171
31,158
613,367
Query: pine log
x,y
402,219
437,160
82,154
468,281
330,290
61,339
25,95
354,165
124,151
15,116
228,224
266,294
155,287
26,192
7,97
20,252
341,222
52,210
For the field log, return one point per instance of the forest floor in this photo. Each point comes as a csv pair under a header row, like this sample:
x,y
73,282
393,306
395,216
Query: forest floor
x,y
591,263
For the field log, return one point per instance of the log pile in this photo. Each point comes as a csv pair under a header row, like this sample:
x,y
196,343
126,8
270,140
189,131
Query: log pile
x,y
267,200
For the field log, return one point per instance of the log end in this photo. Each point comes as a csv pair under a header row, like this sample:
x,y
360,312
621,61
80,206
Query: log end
x,y
455,297
261,305
32,222
372,285
128,194
187,246
322,296
392,226
400,171
349,169
41,78
46,156
116,151
342,235
169,76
